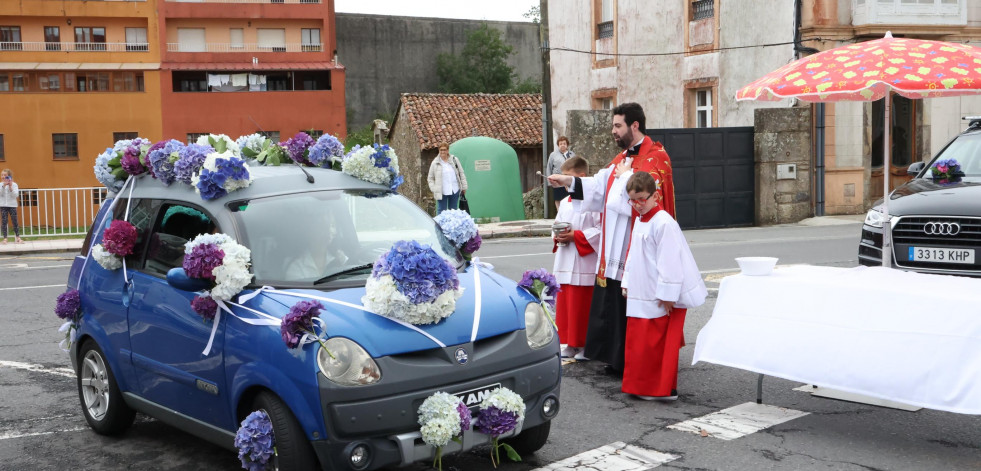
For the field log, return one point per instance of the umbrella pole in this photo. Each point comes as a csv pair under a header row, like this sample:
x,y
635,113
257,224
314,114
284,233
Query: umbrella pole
x,y
886,167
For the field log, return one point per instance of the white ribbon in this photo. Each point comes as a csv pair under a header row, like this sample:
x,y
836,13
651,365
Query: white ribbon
x,y
129,201
102,223
68,326
214,324
315,336
266,319
476,298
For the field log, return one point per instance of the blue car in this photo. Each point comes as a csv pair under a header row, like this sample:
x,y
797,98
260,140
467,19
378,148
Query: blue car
x,y
350,404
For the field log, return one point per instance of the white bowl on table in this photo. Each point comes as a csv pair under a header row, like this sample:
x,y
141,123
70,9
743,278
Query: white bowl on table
x,y
756,266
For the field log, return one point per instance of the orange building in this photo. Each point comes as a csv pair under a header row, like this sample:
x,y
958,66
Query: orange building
x,y
75,76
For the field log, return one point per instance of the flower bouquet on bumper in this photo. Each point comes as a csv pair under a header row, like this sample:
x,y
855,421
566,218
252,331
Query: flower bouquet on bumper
x,y
412,283
500,413
459,227
443,417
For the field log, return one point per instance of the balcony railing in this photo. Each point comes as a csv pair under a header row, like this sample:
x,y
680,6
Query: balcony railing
x,y
75,47
97,0
243,1
605,29
243,47
702,9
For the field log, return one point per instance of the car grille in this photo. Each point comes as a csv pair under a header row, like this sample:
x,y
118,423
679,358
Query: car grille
x,y
910,231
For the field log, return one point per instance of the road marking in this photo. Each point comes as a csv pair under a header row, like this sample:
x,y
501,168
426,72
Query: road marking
x,y
33,287
616,456
518,255
24,266
38,423
12,434
738,421
67,372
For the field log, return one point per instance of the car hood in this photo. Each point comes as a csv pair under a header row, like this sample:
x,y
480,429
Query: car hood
x,y
928,197
502,306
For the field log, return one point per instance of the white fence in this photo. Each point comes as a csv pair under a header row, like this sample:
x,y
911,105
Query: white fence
x,y
57,212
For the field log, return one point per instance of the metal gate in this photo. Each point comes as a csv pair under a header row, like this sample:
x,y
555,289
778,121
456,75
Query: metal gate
x,y
714,175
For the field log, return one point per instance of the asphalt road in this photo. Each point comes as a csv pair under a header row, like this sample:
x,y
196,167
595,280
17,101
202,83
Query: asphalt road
x,y
41,426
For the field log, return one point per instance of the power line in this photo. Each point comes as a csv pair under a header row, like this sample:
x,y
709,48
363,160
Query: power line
x,y
653,54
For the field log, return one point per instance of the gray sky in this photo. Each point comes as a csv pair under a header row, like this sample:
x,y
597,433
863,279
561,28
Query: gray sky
x,y
499,10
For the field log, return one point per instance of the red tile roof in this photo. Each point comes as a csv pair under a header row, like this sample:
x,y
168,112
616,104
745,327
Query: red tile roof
x,y
440,117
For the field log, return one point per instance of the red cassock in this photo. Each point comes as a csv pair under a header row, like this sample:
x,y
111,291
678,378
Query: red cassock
x,y
572,303
652,354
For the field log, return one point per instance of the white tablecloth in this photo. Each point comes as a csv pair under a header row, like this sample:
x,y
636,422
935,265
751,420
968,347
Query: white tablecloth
x,y
896,335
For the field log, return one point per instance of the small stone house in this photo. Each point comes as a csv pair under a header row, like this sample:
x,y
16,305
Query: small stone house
x,y
424,120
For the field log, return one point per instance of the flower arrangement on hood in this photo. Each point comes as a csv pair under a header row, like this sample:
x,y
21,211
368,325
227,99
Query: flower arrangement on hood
x,y
373,164
220,143
255,441
499,413
68,307
118,241
221,260
221,174
299,326
123,159
189,161
412,283
541,283
443,417
459,227
161,158
323,152
297,147
945,169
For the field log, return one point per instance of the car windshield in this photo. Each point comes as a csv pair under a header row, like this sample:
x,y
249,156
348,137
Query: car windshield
x,y
322,236
966,150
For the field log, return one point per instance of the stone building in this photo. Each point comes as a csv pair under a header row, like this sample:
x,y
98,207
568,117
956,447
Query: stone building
x,y
684,61
424,120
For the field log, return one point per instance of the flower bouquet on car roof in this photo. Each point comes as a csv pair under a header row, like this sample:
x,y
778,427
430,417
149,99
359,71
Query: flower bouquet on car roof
x,y
412,283
222,261
373,164
125,158
459,227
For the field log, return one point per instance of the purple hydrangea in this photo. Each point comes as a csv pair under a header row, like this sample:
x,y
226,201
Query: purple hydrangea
x,y
465,417
68,305
473,244
120,238
131,161
540,282
299,321
419,272
202,260
159,158
495,422
190,161
204,306
297,146
255,441
324,149
154,147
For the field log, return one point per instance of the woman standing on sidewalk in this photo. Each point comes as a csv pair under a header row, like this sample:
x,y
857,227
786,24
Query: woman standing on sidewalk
x,y
8,204
446,179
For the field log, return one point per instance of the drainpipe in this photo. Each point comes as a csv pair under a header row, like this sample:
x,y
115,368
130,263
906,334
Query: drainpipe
x,y
800,49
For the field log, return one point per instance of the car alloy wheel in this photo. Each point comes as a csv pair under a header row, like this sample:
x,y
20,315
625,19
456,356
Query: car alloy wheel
x,y
102,403
95,386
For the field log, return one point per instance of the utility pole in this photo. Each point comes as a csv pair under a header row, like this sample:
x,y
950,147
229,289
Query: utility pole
x,y
546,100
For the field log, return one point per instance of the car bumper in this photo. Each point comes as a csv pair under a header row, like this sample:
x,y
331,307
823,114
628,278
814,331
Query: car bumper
x,y
870,253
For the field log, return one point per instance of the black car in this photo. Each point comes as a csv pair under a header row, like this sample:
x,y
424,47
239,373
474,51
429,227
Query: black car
x,y
936,222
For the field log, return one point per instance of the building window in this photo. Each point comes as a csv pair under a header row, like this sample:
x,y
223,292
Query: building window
x,y
192,137
19,81
49,82
703,108
191,40
123,136
190,81
4,82
310,39
10,38
314,133
90,38
52,81
136,40
65,146
2,155
272,38
271,135
236,37
605,99
604,27
52,38
702,9
311,80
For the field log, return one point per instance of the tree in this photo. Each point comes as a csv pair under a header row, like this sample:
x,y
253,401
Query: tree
x,y
480,68
534,14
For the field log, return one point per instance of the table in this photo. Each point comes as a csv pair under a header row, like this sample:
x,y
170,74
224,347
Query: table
x,y
886,333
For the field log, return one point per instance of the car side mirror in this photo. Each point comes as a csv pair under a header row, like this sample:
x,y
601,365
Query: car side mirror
x,y
915,168
178,278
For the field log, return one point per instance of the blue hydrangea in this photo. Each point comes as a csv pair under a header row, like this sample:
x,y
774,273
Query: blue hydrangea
x,y
419,272
190,161
457,225
255,441
212,184
103,172
162,161
324,149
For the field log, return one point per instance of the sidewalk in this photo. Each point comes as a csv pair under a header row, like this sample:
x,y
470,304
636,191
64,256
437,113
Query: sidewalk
x,y
494,230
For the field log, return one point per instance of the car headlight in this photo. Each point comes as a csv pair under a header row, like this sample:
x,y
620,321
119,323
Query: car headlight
x,y
538,328
350,365
874,218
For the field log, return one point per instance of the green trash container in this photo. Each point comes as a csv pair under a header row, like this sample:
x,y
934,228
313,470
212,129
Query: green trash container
x,y
493,180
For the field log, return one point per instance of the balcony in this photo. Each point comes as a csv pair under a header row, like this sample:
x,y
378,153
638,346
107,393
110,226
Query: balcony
x,y
75,47
909,12
243,47
243,1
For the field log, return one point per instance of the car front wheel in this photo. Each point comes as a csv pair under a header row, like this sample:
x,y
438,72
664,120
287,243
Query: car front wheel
x,y
293,450
102,403
530,440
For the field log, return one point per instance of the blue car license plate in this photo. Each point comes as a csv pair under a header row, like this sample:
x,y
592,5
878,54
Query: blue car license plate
x,y
941,255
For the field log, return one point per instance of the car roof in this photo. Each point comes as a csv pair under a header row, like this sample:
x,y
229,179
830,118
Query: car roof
x,y
267,181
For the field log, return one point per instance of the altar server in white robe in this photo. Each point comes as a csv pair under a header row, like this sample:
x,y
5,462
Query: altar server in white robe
x,y
660,282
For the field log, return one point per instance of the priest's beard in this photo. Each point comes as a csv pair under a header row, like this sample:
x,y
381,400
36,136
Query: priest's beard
x,y
626,140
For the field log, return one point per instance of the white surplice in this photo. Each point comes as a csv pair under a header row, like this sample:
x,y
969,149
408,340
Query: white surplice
x,y
571,268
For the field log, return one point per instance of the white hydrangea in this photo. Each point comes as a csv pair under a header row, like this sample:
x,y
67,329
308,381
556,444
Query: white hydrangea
x,y
439,419
253,142
230,145
382,297
233,274
106,259
505,400
439,432
359,165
